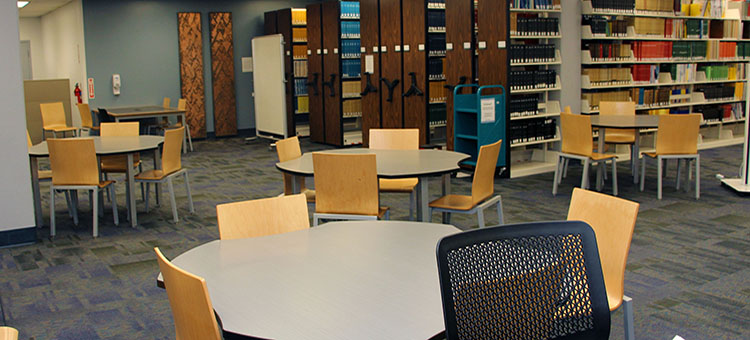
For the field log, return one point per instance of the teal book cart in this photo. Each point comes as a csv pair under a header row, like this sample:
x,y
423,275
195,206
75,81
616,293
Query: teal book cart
x,y
479,120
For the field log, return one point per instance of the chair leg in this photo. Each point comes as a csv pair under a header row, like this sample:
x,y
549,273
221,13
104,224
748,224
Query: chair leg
x,y
627,309
115,216
52,211
74,203
558,170
500,216
679,172
447,218
643,172
614,176
148,186
95,209
430,215
189,196
387,215
140,169
69,202
109,197
172,200
101,201
315,220
697,176
480,217
411,204
659,173
565,169
585,177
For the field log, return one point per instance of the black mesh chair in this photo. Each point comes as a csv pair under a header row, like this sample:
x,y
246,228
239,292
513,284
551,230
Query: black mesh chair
x,y
104,116
524,281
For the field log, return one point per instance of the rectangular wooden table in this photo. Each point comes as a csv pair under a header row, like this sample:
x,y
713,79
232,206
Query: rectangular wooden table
x,y
152,111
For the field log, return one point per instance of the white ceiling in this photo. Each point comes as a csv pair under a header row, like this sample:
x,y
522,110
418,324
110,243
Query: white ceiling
x,y
37,8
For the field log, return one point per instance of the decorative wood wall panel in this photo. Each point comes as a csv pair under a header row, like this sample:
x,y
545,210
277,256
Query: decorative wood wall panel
x,y
222,70
390,66
191,71
315,73
459,28
332,67
492,62
370,38
415,106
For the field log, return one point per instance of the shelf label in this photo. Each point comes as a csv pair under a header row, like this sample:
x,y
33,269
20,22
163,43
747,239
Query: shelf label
x,y
288,53
488,110
309,52
325,51
375,49
335,51
482,45
318,51
397,48
449,46
467,45
501,44
383,49
420,47
406,48
363,49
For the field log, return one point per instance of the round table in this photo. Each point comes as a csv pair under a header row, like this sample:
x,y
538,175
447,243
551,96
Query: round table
x,y
394,164
637,122
104,146
341,280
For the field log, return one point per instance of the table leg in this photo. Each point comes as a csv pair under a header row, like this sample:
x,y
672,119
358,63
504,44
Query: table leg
x,y
446,191
295,185
35,191
187,131
423,211
636,154
131,191
599,173
184,135
157,166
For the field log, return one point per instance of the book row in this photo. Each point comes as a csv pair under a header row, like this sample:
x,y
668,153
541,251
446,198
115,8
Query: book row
x,y
435,69
721,112
535,4
303,105
350,9
300,68
437,115
300,87
436,21
436,45
524,25
299,16
523,106
350,29
650,73
531,53
350,68
351,89
704,8
530,130
437,91
351,108
350,48
299,34
537,79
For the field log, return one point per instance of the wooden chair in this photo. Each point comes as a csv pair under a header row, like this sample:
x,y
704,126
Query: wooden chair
x,y
191,305
397,139
262,217
53,119
118,164
676,138
613,221
482,188
620,136
87,123
288,149
44,175
346,187
577,143
8,333
171,166
74,167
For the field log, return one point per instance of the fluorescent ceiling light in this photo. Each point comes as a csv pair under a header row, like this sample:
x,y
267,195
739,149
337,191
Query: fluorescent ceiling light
x,y
22,4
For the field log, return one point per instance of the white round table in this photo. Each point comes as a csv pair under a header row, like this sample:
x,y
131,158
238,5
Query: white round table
x,y
394,164
104,146
341,280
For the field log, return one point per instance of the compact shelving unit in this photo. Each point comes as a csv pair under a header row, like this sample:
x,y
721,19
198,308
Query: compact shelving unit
x,y
534,109
689,64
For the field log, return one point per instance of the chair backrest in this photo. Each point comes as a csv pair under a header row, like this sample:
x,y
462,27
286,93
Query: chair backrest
x,y
128,129
85,112
568,110
191,305
346,183
104,116
262,217
52,114
8,333
618,109
171,157
525,281
613,221
394,139
165,102
28,139
288,149
181,104
73,161
483,184
678,134
576,134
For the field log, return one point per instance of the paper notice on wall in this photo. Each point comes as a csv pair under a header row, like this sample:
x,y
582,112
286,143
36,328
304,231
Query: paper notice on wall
x,y
488,110
91,88
247,64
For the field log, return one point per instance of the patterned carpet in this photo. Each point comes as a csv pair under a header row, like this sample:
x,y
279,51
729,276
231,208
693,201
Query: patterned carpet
x,y
688,270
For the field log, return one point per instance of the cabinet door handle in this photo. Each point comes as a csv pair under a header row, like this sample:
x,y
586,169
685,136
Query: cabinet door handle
x,y
391,86
461,81
331,85
314,84
413,89
369,87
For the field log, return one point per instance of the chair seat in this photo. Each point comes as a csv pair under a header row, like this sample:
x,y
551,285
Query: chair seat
x,y
398,185
101,184
601,156
60,128
619,138
115,164
453,202
309,195
153,175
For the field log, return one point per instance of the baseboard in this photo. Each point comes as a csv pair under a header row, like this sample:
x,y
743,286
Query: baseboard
x,y
17,237
240,133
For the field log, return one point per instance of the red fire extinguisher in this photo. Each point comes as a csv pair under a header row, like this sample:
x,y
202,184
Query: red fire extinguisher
x,y
77,92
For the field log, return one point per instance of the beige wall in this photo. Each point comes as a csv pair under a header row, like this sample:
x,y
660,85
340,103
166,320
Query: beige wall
x,y
31,29
16,205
